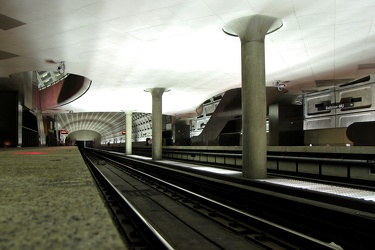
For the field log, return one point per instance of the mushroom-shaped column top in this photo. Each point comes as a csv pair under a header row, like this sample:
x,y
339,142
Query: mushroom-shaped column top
x,y
156,92
252,28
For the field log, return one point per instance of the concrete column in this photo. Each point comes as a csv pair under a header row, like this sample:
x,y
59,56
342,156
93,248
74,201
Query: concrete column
x,y
20,110
129,132
157,123
42,135
252,31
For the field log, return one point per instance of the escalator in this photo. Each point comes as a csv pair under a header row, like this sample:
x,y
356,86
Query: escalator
x,y
224,126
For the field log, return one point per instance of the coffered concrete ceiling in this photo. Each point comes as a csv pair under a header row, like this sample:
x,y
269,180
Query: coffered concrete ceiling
x,y
127,46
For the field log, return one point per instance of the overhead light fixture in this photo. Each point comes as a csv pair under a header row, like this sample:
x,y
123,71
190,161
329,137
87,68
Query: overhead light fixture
x,y
61,67
281,85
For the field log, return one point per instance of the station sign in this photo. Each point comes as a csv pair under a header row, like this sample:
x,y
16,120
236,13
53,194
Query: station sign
x,y
64,132
330,106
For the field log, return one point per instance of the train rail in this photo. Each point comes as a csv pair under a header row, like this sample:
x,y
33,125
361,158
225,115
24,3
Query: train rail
x,y
286,211
127,219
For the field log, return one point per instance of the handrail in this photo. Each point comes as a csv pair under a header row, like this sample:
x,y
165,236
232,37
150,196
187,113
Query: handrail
x,y
30,129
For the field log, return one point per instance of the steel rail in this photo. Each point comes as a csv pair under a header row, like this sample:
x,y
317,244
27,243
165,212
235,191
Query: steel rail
x,y
276,228
163,243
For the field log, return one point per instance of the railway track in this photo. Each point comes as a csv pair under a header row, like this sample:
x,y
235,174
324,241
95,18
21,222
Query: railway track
x,y
252,222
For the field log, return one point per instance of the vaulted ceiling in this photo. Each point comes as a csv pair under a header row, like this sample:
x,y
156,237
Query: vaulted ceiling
x,y
127,46
107,124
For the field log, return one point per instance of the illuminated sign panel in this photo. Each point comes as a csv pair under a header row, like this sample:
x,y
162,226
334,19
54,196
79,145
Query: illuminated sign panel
x,y
330,106
64,132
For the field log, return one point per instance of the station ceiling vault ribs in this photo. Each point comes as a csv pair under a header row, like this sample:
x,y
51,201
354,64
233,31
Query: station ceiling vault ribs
x,y
108,124
127,46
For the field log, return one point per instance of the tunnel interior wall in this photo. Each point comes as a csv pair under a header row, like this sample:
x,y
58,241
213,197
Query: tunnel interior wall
x,y
85,136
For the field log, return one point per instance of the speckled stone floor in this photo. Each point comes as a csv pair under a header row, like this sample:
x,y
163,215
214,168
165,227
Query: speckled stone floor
x,y
48,200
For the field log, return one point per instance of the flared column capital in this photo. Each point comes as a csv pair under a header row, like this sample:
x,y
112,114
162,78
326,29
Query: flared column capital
x,y
156,92
252,28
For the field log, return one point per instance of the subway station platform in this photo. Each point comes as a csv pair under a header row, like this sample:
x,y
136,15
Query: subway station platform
x,y
48,200
338,190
